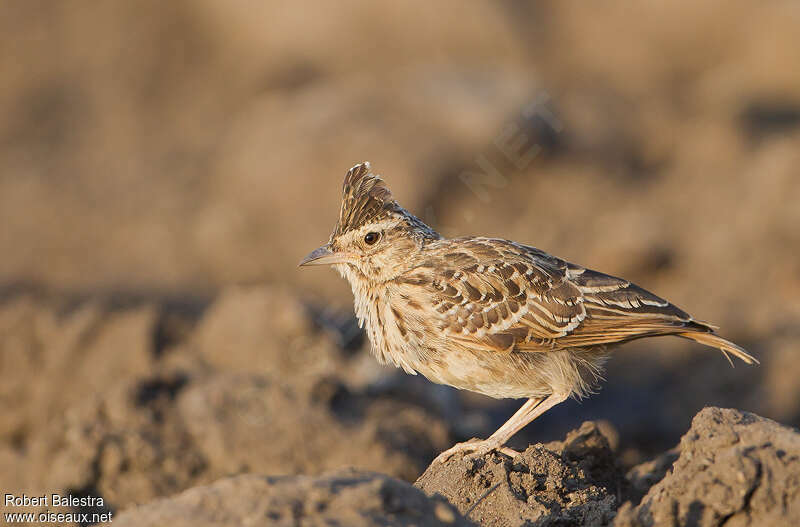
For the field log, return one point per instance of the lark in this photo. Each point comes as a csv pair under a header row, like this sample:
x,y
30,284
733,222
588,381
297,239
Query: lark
x,y
488,315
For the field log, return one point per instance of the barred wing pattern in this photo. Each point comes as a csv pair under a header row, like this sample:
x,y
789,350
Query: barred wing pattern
x,y
498,295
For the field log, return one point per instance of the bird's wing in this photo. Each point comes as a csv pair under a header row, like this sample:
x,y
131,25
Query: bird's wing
x,y
497,295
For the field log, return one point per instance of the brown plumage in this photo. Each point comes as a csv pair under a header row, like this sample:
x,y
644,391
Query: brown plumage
x,y
485,314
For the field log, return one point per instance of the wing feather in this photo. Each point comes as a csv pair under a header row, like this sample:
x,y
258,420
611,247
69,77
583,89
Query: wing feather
x,y
498,295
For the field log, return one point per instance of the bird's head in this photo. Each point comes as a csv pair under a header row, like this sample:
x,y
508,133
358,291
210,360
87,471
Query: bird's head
x,y
375,239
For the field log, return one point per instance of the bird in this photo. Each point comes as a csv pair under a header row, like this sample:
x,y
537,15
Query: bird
x,y
488,315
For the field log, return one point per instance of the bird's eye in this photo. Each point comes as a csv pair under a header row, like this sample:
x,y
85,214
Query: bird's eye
x,y
371,238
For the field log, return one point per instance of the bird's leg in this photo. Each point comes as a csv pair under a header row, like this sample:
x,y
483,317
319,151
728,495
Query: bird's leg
x,y
482,446
529,411
524,415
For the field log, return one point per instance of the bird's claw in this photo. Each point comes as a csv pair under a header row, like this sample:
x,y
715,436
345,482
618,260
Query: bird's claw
x,y
474,449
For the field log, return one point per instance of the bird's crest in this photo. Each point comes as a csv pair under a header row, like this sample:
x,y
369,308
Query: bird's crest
x,y
365,198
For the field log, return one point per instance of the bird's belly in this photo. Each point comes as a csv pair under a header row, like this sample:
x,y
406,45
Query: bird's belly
x,y
414,345
502,376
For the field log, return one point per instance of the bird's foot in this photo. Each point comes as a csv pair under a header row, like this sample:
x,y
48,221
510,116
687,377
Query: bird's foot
x,y
474,448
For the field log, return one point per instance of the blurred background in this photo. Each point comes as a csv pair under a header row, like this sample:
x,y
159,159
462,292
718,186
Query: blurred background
x,y
165,165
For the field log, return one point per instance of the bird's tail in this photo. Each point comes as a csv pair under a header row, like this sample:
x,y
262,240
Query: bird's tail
x,y
715,341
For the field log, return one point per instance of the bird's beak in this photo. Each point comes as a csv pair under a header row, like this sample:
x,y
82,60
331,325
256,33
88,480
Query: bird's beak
x,y
324,256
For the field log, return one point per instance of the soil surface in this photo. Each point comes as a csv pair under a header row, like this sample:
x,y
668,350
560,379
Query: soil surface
x,y
574,482
346,497
164,166
732,468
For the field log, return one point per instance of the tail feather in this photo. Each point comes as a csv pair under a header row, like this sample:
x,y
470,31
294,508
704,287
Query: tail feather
x,y
726,346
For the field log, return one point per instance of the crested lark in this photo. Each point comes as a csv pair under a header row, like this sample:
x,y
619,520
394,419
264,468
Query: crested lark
x,y
487,315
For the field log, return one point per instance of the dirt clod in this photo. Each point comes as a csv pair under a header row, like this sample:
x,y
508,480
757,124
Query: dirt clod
x,y
571,482
733,468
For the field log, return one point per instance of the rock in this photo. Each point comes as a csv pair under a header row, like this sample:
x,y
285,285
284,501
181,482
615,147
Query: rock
x,y
734,468
574,482
348,497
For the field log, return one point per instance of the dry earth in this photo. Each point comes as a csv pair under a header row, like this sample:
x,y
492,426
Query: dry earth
x,y
732,468
194,415
163,167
